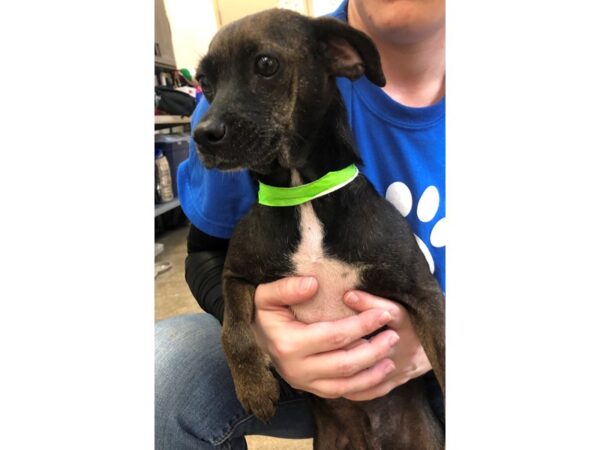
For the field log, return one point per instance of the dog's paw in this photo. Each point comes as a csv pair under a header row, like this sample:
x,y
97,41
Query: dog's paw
x,y
259,395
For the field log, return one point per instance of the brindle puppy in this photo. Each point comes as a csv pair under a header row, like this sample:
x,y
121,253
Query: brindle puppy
x,y
275,110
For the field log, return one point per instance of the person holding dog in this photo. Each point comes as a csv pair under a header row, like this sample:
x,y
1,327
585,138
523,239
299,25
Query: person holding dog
x,y
400,132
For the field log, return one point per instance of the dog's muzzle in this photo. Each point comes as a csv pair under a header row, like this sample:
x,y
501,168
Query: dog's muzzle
x,y
210,134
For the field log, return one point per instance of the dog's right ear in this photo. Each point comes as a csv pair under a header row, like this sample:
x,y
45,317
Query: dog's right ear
x,y
350,52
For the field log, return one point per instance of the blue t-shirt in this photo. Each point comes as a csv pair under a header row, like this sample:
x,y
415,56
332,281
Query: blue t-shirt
x,y
403,150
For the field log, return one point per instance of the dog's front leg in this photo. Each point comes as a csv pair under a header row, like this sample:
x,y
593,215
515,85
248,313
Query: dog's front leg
x,y
255,386
428,316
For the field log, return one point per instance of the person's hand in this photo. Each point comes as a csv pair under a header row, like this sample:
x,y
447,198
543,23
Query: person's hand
x,y
328,359
408,355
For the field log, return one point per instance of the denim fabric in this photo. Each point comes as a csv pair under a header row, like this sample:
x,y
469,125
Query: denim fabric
x,y
196,406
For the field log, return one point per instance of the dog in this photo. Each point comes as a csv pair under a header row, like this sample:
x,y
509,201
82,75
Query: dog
x,y
275,110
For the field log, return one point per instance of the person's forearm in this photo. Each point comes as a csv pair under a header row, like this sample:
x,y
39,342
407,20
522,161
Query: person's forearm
x,y
203,270
203,275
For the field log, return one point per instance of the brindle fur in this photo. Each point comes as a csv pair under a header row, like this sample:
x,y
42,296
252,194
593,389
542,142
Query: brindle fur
x,y
296,120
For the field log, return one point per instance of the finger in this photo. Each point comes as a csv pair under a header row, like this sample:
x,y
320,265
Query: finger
x,y
361,301
333,335
348,362
362,381
284,292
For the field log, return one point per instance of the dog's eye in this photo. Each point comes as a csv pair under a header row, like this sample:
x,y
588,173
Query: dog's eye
x,y
266,65
203,83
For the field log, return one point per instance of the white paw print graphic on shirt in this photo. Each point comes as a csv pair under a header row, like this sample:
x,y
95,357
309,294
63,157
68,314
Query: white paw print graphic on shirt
x,y
399,195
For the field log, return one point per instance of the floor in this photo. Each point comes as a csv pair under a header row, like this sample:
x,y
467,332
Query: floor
x,y
172,297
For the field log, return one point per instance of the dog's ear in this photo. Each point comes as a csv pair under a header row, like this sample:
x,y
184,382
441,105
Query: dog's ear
x,y
351,53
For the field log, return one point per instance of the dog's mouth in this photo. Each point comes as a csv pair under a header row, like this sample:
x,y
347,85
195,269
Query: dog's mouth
x,y
258,150
213,162
262,164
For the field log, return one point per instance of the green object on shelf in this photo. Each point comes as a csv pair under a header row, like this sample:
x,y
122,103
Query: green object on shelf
x,y
186,73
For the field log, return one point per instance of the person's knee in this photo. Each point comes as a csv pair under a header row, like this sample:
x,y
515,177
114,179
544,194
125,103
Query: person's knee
x,y
187,353
181,337
196,405
191,380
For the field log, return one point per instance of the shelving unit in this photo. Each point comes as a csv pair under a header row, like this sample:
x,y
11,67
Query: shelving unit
x,y
164,55
162,208
164,122
164,62
169,121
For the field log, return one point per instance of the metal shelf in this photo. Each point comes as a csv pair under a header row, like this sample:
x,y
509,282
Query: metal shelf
x,y
162,208
171,120
165,121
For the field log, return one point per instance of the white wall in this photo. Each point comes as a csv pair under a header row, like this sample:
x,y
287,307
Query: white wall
x,y
322,7
193,24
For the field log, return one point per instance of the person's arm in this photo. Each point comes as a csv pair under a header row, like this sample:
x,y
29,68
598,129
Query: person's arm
x,y
327,358
331,359
203,269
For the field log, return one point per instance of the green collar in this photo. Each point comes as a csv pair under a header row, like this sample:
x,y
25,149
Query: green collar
x,y
292,196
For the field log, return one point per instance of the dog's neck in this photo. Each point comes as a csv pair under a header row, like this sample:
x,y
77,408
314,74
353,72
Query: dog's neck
x,y
330,148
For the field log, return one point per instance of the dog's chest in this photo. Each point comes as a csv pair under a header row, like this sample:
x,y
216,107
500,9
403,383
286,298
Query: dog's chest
x,y
334,276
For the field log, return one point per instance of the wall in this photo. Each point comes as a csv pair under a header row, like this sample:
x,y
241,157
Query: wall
x,y
230,10
193,24
322,7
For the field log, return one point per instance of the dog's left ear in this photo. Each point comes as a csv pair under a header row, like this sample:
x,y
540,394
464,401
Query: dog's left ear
x,y
351,53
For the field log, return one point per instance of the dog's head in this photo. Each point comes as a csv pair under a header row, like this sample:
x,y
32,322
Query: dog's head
x,y
269,79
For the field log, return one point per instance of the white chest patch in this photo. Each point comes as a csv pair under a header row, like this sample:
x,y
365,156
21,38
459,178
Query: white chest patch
x,y
334,276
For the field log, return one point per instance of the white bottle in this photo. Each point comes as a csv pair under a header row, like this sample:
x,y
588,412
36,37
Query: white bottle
x,y
164,184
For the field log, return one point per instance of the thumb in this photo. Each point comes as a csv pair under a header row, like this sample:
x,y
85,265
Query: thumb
x,y
284,292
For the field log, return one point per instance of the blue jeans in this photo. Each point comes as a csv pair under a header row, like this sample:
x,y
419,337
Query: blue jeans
x,y
196,406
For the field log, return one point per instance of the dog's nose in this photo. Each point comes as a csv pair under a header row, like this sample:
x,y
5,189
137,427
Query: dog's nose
x,y
210,132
